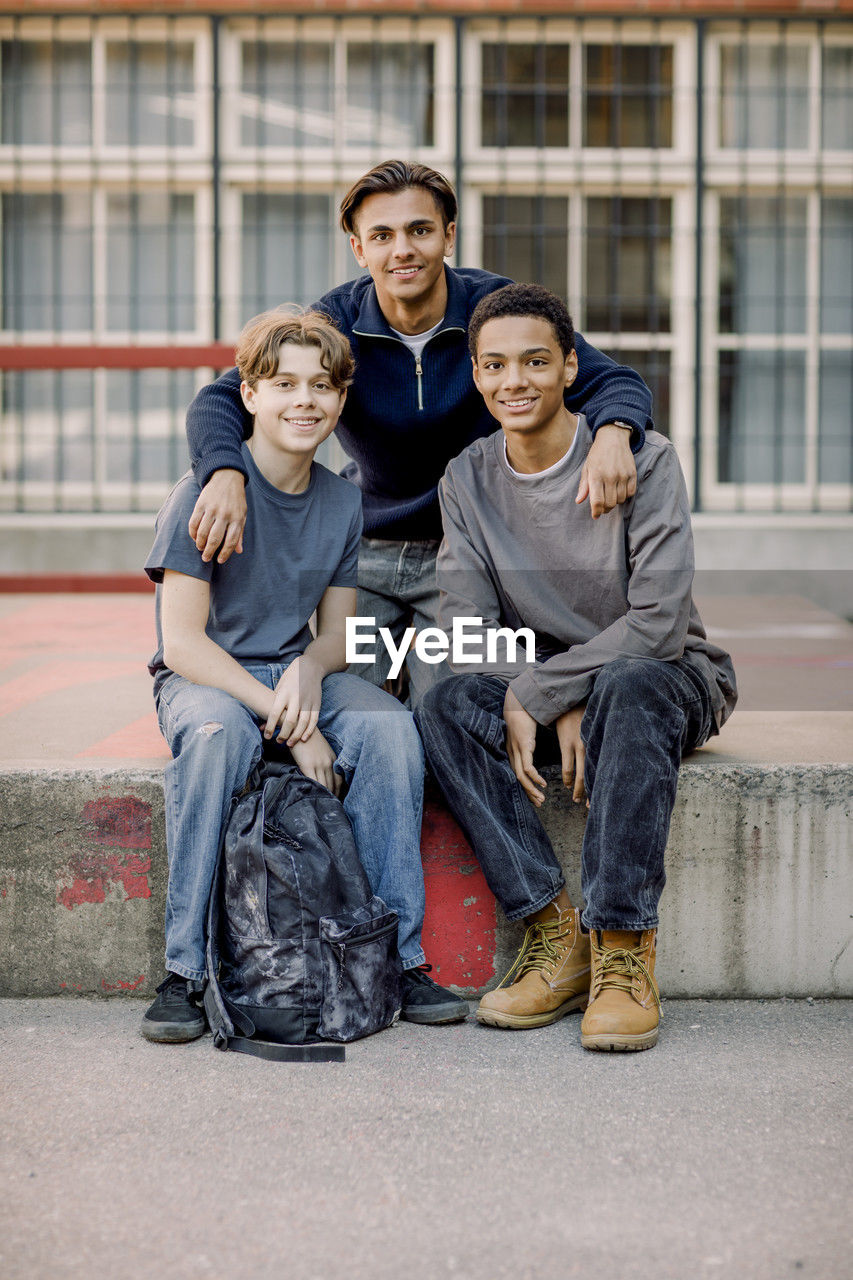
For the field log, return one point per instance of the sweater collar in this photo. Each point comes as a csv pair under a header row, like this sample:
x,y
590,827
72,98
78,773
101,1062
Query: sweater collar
x,y
370,321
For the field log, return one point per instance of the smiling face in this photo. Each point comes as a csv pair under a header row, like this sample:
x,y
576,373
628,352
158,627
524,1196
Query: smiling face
x,y
402,241
296,409
522,373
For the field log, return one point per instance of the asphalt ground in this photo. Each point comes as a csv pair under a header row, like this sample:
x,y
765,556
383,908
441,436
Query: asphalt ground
x,y
459,1152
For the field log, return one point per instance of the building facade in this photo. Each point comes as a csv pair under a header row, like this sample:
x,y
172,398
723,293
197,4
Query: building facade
x,y
684,182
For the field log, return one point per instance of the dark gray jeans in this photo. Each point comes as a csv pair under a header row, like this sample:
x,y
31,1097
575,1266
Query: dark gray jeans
x,y
641,718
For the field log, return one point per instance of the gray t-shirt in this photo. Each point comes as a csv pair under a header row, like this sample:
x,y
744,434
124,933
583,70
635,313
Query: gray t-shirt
x,y
519,552
294,547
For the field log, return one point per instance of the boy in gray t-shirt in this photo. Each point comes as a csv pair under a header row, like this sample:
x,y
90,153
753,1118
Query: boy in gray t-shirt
x,y
624,682
237,663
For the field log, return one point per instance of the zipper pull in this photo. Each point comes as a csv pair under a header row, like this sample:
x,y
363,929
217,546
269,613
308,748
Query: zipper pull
x,y
419,373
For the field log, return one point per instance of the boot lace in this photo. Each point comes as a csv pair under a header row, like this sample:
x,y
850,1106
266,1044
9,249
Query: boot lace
x,y
619,967
537,950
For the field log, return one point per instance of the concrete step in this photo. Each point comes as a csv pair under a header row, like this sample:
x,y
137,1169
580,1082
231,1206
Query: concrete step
x,y
757,900
759,859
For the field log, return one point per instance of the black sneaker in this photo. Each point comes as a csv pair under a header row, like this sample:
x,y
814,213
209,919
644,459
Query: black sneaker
x,y
175,1016
425,1001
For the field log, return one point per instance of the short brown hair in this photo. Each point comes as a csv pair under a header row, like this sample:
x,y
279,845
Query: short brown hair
x,y
398,175
258,348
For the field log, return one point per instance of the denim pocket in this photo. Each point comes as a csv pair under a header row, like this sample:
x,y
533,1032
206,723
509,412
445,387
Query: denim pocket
x,y
361,972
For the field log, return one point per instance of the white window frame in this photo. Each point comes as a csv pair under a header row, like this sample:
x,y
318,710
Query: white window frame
x,y
342,156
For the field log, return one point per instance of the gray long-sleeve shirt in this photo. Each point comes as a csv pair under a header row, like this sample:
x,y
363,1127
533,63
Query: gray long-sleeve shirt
x,y
518,552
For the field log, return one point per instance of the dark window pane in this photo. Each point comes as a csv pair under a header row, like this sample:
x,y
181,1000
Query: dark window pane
x,y
150,99
151,262
763,264
525,99
390,90
51,414
47,261
286,94
628,95
286,253
838,98
628,264
764,96
761,412
526,238
655,368
47,92
836,265
835,446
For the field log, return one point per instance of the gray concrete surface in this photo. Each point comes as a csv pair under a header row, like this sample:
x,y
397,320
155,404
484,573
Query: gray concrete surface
x,y
460,1152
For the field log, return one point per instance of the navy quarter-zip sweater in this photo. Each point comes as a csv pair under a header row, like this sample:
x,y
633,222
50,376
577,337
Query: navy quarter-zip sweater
x,y
406,418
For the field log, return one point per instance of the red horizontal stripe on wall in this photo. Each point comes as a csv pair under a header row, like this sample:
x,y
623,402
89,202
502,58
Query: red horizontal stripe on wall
x,y
77,583
216,355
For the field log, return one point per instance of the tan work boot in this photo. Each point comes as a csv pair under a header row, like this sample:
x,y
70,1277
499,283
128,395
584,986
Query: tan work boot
x,y
550,978
624,1004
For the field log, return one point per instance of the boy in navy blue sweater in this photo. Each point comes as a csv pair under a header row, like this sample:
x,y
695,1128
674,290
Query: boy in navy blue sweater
x,y
412,406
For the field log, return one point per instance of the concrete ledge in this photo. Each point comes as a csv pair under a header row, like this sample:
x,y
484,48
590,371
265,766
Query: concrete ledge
x,y
757,902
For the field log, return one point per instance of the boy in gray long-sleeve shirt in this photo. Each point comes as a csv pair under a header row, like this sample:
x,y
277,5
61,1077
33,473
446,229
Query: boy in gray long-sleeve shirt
x,y
624,677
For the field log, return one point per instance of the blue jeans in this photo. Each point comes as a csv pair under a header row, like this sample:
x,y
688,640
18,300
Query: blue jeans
x,y
397,587
641,718
216,742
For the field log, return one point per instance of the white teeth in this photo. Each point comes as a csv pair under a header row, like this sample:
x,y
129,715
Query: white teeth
x,y
517,404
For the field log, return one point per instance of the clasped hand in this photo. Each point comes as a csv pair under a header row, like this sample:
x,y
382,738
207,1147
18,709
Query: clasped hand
x,y
521,731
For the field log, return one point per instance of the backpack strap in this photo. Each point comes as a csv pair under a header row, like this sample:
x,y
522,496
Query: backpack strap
x,y
223,1016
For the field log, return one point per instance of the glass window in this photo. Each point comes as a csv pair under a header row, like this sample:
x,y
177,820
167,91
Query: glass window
x,y
763,264
144,427
764,96
628,95
526,238
50,413
390,94
47,261
46,92
835,446
287,94
761,437
836,265
150,94
525,99
151,262
838,98
286,253
628,264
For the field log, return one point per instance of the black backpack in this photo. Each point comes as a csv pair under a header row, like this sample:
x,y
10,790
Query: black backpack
x,y
299,951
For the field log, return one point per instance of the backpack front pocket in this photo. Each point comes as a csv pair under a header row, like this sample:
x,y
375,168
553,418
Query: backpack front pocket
x,y
361,972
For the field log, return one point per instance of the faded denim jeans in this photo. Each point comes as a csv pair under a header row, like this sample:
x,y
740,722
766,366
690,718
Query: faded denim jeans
x,y
397,587
641,718
216,742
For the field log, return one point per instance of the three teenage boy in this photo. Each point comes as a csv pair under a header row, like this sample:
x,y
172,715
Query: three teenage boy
x,y
412,405
624,683
237,664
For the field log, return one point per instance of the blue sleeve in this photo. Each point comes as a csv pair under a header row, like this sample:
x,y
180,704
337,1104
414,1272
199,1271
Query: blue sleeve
x,y
173,547
605,392
217,425
346,574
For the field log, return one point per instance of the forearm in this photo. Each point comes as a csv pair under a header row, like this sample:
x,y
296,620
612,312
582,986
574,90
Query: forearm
x,y
327,653
198,658
216,426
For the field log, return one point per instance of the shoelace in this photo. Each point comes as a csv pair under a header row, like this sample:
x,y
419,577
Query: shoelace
x,y
421,975
537,949
619,967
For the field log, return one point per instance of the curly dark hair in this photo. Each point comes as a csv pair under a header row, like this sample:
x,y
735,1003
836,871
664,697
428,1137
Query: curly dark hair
x,y
523,300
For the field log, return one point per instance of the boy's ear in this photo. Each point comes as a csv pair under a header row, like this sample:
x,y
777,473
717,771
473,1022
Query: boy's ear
x,y
247,394
355,245
476,374
571,367
449,238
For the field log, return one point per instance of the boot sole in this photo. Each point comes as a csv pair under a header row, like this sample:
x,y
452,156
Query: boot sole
x,y
525,1021
620,1043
